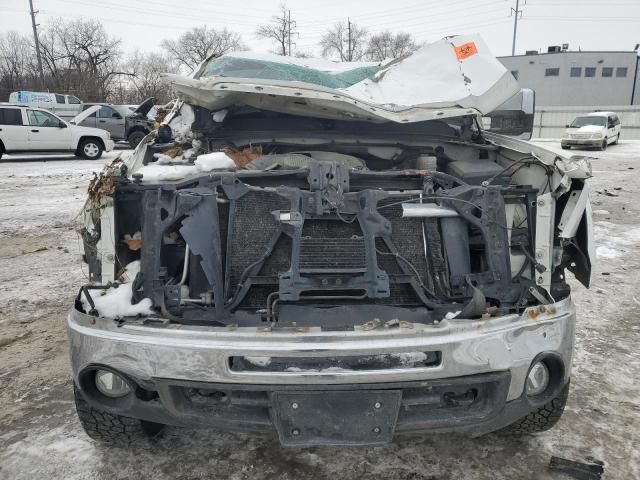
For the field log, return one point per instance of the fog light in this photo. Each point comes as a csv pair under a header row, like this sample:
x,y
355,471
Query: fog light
x,y
538,379
111,384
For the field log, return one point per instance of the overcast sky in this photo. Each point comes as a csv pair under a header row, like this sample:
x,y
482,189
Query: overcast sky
x,y
585,24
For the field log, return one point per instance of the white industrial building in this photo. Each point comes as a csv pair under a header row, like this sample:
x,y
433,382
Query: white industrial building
x,y
568,84
566,78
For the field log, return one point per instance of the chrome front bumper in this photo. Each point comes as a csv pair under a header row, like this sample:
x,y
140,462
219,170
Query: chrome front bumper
x,y
201,354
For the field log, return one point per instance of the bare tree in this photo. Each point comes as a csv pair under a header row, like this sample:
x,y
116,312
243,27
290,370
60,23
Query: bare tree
x,y
144,72
280,31
80,57
16,64
195,46
346,40
388,45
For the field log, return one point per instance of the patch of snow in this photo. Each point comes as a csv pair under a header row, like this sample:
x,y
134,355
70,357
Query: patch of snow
x,y
220,115
133,268
162,159
613,244
606,252
214,161
259,361
601,212
159,172
452,315
163,173
181,124
115,302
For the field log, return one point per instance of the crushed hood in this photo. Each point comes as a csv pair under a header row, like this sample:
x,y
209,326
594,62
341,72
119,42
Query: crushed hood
x,y
452,77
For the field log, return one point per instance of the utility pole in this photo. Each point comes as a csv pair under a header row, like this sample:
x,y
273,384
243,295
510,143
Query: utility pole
x,y
349,28
516,13
35,37
289,25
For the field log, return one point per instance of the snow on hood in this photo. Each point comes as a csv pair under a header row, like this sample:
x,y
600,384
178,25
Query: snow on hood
x,y
452,77
78,119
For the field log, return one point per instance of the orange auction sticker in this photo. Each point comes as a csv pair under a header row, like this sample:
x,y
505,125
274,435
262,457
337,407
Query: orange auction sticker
x,y
466,50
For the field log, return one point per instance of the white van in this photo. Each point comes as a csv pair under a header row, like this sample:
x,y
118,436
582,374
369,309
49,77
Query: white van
x,y
597,129
65,106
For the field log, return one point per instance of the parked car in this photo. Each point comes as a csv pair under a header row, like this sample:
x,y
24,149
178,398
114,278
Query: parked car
x,y
597,129
24,129
65,106
332,254
121,122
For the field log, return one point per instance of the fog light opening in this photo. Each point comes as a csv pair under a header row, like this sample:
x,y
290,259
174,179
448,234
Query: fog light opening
x,y
537,379
111,384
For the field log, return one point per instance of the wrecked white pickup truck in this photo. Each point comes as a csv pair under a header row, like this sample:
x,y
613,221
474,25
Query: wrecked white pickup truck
x,y
332,254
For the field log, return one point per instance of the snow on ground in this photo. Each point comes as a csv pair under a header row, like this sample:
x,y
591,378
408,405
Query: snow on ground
x,y
40,437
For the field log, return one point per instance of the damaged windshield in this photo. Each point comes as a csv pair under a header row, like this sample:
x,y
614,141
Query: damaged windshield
x,y
228,66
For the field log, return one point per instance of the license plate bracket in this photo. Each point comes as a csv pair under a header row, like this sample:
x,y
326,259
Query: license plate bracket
x,y
335,417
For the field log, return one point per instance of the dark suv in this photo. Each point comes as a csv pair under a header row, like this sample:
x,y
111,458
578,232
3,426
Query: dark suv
x,y
121,122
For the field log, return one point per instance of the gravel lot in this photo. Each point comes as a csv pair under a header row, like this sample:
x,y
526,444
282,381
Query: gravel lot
x,y
40,437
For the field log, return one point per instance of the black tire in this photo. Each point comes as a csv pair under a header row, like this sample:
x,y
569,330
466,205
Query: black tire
x,y
135,138
90,149
603,147
112,429
542,418
565,147
617,140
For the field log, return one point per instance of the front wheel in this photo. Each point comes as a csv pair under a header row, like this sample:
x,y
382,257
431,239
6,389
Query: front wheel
x,y
604,145
542,418
112,429
135,138
565,147
90,149
617,140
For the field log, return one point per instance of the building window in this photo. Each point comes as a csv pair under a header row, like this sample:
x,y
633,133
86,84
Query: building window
x,y
515,74
607,71
552,72
576,71
590,72
621,72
